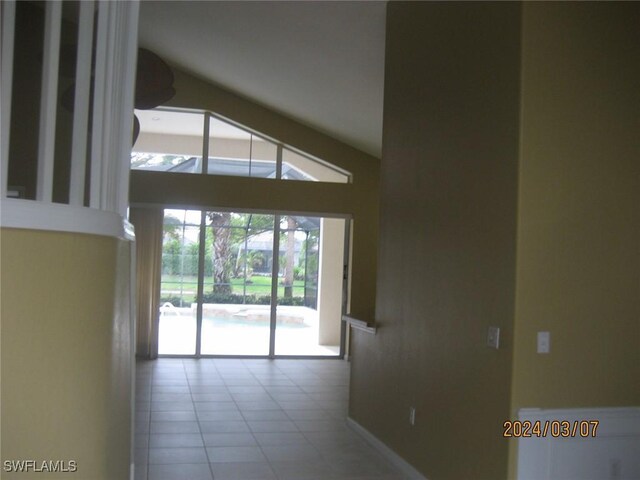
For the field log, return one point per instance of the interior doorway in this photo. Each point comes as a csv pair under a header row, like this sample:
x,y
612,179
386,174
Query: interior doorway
x,y
252,284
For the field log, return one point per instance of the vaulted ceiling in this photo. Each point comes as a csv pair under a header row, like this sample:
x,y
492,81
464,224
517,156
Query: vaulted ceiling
x,y
318,62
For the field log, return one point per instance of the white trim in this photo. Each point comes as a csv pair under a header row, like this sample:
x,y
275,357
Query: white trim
x,y
127,69
113,105
97,121
359,324
275,267
107,108
8,31
385,451
49,100
34,215
81,104
129,230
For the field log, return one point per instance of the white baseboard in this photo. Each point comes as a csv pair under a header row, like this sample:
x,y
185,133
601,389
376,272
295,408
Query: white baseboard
x,y
385,451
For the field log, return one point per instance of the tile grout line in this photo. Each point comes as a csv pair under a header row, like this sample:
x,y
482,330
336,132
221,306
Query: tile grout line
x,y
195,411
298,430
249,427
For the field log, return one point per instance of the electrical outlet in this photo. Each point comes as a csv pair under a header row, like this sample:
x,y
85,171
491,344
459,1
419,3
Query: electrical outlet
x,y
412,416
544,342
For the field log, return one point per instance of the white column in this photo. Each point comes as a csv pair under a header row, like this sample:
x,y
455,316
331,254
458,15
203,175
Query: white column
x,y
114,89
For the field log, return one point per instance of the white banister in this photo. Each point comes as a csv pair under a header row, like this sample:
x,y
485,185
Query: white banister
x,y
49,100
116,107
58,217
81,104
8,31
98,103
107,123
103,112
126,80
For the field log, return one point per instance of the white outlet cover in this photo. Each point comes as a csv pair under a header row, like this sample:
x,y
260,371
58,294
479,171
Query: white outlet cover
x,y
493,337
412,416
544,342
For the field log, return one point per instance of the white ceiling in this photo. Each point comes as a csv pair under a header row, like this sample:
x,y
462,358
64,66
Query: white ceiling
x,y
318,62
168,122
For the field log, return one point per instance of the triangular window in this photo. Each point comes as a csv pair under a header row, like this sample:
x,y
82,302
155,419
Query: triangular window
x,y
187,141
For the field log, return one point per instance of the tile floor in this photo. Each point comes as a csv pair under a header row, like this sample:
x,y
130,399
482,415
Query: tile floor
x,y
224,419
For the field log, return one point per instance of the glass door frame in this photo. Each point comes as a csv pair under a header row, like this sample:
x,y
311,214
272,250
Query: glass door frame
x,y
201,264
274,284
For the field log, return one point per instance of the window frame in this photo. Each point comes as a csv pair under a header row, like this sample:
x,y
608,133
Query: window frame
x,y
281,147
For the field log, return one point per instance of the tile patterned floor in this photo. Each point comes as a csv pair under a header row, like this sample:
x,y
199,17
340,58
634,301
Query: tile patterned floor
x,y
232,419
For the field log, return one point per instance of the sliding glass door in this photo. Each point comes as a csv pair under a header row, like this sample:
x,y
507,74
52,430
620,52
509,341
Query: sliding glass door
x,y
236,303
251,284
309,305
179,282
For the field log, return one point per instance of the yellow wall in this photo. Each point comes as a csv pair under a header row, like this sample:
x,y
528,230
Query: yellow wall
x,y
510,196
66,352
447,243
579,207
358,199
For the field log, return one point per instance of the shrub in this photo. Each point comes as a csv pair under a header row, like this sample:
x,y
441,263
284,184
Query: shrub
x,y
298,273
174,300
218,297
296,301
234,298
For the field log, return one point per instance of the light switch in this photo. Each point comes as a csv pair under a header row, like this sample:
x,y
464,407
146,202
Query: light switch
x,y
493,337
544,342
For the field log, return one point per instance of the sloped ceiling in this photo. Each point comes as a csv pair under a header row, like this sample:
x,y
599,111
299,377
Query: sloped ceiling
x,y
318,62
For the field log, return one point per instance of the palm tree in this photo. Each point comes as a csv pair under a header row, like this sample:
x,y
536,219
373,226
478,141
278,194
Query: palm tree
x,y
289,256
220,226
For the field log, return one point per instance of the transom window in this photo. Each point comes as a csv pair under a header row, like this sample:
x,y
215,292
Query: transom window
x,y
185,141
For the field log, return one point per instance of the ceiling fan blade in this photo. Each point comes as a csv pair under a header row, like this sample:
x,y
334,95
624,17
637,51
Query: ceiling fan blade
x,y
154,99
154,80
136,129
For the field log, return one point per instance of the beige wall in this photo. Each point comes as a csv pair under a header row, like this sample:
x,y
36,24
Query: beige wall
x,y
331,263
358,199
447,243
192,145
170,144
66,352
579,207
